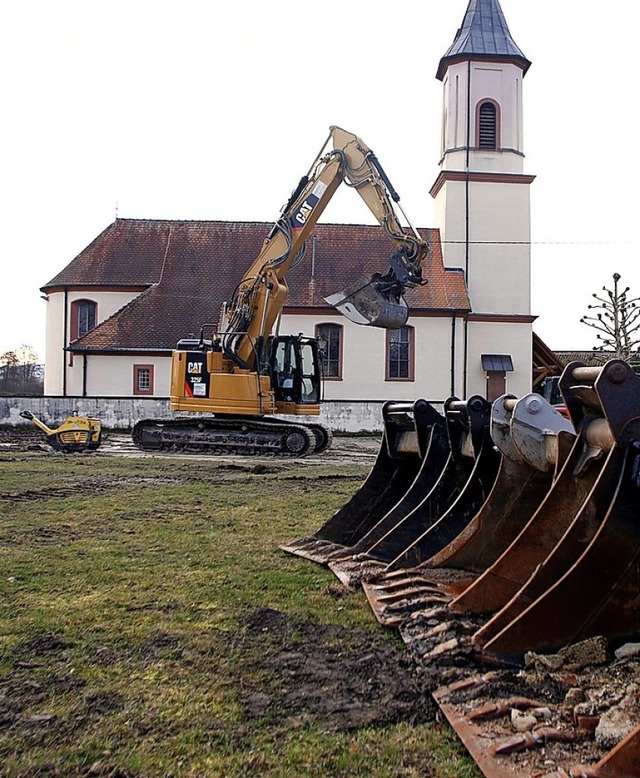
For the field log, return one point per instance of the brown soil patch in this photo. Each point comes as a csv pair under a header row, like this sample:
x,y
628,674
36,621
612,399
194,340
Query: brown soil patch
x,y
342,679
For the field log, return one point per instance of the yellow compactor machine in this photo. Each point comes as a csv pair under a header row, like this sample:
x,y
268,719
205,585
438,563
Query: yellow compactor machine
x,y
74,434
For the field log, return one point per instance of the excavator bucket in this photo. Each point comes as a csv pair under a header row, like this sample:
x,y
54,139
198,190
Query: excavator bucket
x,y
503,579
581,573
426,529
372,301
536,550
436,485
598,555
473,417
409,430
458,480
532,439
480,713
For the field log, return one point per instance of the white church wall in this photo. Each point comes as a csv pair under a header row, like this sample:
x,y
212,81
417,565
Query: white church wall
x,y
513,339
364,352
500,82
499,278
107,303
113,376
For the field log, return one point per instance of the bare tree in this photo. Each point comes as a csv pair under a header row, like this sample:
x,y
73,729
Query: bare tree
x,y
20,372
617,319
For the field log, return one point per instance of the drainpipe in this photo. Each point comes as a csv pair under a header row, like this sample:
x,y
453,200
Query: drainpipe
x,y
467,165
466,224
65,338
453,356
84,375
466,355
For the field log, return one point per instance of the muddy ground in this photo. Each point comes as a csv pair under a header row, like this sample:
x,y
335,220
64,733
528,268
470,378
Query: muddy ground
x,y
339,679
583,703
327,674
354,450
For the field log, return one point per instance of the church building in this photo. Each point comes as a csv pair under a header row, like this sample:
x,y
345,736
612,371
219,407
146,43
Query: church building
x,y
115,313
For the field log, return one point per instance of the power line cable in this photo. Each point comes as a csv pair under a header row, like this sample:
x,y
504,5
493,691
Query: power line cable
x,y
543,242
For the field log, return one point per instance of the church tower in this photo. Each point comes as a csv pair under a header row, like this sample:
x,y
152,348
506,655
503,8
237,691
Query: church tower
x,y
483,195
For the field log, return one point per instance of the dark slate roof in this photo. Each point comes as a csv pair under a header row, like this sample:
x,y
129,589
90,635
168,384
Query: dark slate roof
x,y
484,35
199,264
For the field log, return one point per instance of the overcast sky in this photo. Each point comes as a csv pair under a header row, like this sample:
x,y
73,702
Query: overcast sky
x,y
207,110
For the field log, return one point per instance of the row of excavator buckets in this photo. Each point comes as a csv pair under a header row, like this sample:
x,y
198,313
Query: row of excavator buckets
x,y
497,532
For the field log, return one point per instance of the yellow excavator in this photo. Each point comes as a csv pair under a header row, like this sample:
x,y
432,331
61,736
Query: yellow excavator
x,y
240,373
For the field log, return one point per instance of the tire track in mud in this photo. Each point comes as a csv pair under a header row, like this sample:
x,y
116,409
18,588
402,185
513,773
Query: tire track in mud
x,y
92,484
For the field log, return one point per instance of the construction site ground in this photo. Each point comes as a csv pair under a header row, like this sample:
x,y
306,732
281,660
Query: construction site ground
x,y
301,652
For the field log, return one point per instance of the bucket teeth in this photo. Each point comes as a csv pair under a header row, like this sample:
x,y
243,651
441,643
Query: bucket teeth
x,y
314,549
352,570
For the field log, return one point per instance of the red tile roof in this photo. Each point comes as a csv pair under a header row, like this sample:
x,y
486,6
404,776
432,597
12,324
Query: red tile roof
x,y
191,267
127,253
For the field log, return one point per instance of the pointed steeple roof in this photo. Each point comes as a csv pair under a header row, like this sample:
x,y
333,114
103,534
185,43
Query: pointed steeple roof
x,y
484,35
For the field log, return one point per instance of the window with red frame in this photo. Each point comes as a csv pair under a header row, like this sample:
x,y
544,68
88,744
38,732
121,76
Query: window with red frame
x,y
83,317
329,337
400,354
142,379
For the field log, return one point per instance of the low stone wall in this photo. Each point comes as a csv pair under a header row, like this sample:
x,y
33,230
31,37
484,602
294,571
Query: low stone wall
x,y
123,412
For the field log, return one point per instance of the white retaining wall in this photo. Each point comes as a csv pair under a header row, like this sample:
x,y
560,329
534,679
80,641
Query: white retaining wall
x,y
123,413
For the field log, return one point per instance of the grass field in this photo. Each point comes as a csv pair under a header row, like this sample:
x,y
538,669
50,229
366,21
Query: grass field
x,y
151,626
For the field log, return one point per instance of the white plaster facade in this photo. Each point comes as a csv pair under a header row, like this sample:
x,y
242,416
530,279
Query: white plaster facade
x,y
58,323
363,369
113,375
439,366
485,220
436,344
468,83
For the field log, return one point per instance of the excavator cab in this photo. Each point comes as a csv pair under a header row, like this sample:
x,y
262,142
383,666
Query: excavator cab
x,y
293,362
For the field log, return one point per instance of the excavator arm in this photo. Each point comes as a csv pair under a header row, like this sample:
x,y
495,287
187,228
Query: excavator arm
x,y
377,300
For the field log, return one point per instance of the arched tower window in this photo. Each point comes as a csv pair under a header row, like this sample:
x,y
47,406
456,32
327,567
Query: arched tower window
x,y
488,125
83,317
